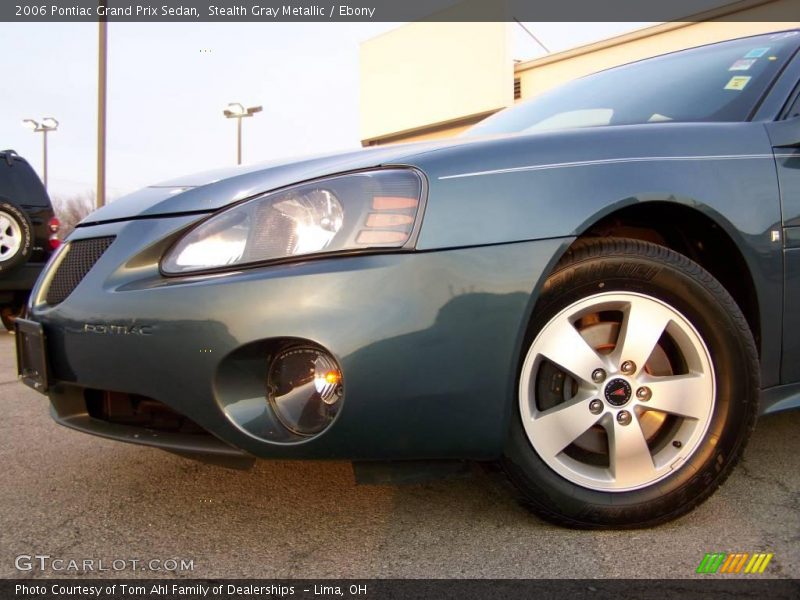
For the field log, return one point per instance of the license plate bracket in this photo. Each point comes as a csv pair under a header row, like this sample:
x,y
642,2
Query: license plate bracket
x,y
31,354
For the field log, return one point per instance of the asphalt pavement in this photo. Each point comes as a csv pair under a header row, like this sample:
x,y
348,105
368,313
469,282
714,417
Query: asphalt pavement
x,y
75,497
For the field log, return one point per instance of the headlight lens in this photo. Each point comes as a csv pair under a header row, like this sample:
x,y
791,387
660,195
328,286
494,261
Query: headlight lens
x,y
375,209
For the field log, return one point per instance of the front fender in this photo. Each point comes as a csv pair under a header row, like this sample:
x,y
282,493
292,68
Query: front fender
x,y
532,187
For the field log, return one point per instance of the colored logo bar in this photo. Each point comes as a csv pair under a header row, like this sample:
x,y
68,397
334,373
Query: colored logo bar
x,y
737,562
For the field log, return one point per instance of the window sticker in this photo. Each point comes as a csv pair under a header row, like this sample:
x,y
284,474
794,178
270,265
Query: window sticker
x,y
756,53
737,83
743,64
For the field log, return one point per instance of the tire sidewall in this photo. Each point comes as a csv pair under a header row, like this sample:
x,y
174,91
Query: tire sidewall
x,y
735,385
26,229
9,314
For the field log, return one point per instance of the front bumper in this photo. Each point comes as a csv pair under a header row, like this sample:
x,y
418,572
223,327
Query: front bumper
x,y
428,342
69,408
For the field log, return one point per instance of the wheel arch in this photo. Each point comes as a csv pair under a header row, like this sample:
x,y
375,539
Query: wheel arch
x,y
679,226
706,239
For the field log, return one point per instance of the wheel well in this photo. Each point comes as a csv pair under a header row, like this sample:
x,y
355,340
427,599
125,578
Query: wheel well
x,y
696,236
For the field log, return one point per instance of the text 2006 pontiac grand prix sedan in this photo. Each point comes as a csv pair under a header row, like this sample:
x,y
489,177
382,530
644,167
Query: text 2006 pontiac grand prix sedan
x,y
598,288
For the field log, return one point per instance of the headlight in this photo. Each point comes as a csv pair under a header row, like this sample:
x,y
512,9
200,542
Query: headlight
x,y
359,211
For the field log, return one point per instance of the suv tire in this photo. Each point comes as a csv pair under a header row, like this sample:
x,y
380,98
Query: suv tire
x,y
16,237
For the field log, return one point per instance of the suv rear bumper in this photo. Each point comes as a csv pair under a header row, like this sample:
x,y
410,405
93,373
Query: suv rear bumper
x,y
22,278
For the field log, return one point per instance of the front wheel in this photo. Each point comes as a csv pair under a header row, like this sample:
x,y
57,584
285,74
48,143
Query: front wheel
x,y
638,390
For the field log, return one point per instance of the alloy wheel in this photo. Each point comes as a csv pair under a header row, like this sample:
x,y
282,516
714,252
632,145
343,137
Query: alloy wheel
x,y
617,391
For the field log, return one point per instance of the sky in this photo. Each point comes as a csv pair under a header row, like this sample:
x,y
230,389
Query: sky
x,y
169,82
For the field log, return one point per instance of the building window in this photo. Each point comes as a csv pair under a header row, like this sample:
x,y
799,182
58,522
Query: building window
x,y
517,88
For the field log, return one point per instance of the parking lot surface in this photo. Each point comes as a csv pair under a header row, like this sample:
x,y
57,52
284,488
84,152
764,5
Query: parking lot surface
x,y
76,497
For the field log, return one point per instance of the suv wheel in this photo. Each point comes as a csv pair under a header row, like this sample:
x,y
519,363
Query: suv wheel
x,y
9,314
638,391
16,237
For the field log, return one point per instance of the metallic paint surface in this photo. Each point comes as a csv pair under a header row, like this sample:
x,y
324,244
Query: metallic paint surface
x,y
428,342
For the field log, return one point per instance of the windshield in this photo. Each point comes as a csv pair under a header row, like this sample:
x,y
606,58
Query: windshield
x,y
720,82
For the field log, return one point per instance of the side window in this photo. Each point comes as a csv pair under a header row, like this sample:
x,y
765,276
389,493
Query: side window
x,y
794,110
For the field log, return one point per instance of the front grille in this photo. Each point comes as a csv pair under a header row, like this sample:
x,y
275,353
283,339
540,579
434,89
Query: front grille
x,y
80,258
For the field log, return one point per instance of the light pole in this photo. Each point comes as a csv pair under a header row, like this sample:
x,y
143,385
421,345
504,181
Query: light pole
x,y
237,111
47,124
102,84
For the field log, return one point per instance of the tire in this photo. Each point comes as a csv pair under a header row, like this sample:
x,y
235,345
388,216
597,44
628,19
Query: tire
x,y
689,388
16,237
9,314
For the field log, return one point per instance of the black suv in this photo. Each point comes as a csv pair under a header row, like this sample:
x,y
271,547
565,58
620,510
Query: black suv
x,y
28,233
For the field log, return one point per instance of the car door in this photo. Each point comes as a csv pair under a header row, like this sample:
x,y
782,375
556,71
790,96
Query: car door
x,y
785,137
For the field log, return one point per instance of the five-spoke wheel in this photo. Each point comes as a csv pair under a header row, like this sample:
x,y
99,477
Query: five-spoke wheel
x,y
616,390
638,388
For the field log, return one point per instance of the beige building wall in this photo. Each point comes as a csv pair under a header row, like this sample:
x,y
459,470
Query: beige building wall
x,y
433,73
751,17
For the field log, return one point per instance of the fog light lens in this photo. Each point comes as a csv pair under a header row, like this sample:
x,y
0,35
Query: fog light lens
x,y
304,388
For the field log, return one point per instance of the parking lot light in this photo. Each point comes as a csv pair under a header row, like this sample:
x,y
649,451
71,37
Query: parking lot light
x,y
236,110
46,125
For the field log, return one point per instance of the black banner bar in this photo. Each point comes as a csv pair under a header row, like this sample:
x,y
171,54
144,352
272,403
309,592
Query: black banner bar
x,y
151,11
400,589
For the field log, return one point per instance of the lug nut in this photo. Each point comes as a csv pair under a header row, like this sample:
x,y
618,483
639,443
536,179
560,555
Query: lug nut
x,y
595,407
644,394
624,417
628,367
598,375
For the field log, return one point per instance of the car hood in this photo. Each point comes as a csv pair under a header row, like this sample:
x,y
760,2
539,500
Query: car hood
x,y
211,190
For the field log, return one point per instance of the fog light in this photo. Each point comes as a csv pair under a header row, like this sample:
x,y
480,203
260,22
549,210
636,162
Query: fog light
x,y
304,388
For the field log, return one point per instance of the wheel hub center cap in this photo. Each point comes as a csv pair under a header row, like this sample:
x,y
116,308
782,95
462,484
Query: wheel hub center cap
x,y
618,392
